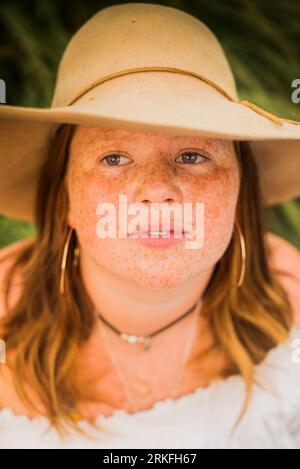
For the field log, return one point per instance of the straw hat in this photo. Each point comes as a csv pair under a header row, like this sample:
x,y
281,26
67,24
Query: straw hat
x,y
145,67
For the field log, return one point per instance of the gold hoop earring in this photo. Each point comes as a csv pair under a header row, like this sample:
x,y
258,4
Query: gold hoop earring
x,y
64,260
243,255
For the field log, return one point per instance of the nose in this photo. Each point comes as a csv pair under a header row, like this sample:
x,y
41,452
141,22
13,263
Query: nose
x,y
157,185
158,192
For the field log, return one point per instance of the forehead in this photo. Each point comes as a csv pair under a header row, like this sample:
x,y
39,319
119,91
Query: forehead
x,y
91,133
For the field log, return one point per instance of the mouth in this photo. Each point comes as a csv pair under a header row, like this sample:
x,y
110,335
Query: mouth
x,y
160,231
156,239
157,234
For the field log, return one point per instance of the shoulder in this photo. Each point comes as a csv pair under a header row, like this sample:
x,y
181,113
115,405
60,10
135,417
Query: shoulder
x,y
8,255
272,417
284,260
9,252
285,255
15,247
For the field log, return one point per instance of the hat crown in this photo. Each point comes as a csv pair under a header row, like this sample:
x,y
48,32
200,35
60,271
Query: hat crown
x,y
130,36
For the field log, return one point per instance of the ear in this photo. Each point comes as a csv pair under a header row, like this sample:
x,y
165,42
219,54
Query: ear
x,y
285,261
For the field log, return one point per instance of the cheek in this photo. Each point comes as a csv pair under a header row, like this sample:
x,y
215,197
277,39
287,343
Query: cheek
x,y
86,191
219,193
217,190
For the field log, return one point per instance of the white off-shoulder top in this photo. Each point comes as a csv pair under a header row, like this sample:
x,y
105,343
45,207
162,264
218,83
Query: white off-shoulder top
x,y
202,419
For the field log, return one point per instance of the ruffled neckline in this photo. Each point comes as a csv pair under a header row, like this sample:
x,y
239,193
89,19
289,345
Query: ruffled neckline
x,y
163,404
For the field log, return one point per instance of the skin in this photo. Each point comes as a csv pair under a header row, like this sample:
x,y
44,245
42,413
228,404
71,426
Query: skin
x,y
151,287
148,279
153,375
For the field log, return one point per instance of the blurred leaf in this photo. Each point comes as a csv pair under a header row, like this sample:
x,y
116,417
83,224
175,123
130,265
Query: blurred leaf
x,y
12,230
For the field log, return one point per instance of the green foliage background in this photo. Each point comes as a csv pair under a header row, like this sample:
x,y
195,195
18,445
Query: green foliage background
x,y
261,39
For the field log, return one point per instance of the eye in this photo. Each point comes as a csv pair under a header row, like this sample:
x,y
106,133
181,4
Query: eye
x,y
113,159
190,157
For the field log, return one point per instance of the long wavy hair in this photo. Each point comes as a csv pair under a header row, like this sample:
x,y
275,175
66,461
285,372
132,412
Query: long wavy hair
x,y
46,331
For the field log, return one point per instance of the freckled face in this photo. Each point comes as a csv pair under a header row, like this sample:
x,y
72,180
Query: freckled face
x,y
151,167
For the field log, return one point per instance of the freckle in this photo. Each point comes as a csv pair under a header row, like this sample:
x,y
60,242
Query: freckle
x,y
146,266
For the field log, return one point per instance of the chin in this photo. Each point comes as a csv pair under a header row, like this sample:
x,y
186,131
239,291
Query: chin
x,y
160,279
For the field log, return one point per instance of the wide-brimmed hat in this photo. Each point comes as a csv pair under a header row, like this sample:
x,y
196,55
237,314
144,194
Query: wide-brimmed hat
x,y
145,67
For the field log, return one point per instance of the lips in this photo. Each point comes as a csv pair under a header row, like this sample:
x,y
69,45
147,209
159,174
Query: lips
x,y
160,228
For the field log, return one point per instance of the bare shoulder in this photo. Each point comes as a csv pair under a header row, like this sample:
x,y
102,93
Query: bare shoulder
x,y
8,396
14,248
284,256
284,259
7,256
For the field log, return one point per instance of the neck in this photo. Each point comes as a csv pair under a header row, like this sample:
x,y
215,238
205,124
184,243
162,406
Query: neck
x,y
166,369
134,309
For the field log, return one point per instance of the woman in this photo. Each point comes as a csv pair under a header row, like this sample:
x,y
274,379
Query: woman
x,y
141,341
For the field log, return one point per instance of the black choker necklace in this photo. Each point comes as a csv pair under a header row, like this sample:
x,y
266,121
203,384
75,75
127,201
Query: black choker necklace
x,y
132,339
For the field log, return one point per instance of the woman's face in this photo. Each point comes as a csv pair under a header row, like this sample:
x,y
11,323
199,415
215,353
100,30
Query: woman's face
x,y
151,167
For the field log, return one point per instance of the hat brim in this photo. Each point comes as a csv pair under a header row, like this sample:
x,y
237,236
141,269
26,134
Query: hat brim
x,y
161,103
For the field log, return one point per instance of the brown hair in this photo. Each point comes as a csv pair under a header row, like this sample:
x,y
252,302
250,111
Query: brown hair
x,y
47,332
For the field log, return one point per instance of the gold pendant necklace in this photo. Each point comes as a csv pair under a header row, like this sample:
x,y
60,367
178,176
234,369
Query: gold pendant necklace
x,y
133,339
120,372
